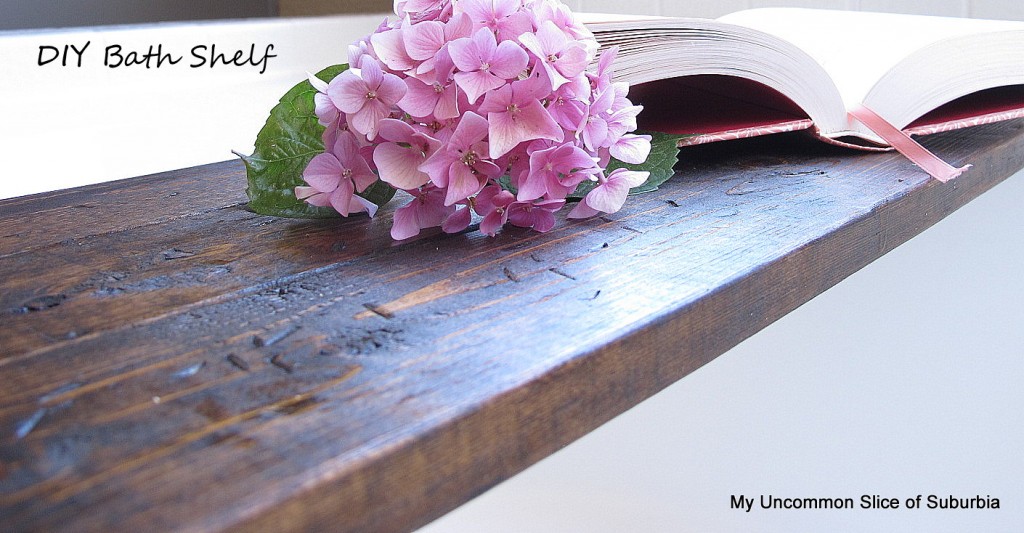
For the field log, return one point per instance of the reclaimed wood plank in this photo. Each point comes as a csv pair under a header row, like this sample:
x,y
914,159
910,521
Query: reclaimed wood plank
x,y
332,379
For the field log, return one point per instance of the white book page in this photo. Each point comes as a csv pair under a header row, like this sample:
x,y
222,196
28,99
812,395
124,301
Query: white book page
x,y
858,48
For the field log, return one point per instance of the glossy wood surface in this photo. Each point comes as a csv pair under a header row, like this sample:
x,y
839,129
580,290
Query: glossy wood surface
x,y
172,361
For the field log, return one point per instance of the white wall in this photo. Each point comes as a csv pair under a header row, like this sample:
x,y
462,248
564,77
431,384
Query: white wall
x,y
18,14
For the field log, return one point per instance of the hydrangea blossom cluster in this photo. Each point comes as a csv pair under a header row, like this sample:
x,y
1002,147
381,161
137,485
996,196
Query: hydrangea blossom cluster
x,y
476,106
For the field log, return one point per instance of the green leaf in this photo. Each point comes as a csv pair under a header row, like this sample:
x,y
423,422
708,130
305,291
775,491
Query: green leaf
x,y
664,151
289,139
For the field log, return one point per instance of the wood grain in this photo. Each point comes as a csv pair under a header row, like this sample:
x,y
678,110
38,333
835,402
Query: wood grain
x,y
171,361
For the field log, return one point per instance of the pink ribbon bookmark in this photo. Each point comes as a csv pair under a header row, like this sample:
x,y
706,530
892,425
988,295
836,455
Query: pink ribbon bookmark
x,y
907,146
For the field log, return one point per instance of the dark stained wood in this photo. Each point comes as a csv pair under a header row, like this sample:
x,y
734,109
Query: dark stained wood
x,y
173,361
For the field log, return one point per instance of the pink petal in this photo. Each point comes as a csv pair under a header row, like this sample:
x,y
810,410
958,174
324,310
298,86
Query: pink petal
x,y
603,102
323,172
348,92
521,215
341,198
502,198
484,167
371,72
533,186
438,167
448,104
478,10
325,110
532,88
533,122
608,196
465,54
319,199
485,43
582,210
424,39
497,101
508,60
549,205
552,40
573,61
471,129
631,178
504,8
532,43
459,26
477,83
604,64
573,157
405,224
399,166
302,192
362,176
485,200
504,133
391,89
595,133
516,24
390,49
395,130
430,213
492,223
365,120
632,148
462,184
457,221
420,98
345,148
543,220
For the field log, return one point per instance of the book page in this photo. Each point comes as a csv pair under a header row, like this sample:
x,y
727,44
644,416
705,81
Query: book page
x,y
858,48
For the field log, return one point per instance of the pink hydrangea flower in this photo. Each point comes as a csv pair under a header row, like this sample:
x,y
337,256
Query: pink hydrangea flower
x,y
562,17
326,112
437,99
461,166
515,115
556,171
366,97
460,219
492,203
563,58
335,176
631,148
610,193
505,18
594,129
485,65
425,42
399,159
426,210
538,215
390,49
479,109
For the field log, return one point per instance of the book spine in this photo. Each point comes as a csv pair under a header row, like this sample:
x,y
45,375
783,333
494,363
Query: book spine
x,y
744,133
951,125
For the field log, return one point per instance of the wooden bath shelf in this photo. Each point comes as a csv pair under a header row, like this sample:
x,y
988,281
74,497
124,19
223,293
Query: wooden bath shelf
x,y
172,361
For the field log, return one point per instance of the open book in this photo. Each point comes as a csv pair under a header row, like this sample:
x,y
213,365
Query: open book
x,y
833,73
